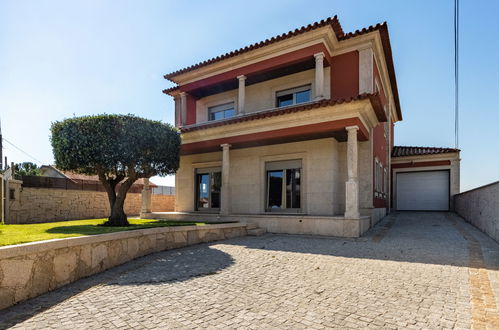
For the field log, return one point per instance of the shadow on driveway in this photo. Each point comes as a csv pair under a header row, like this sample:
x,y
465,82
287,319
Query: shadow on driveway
x,y
168,266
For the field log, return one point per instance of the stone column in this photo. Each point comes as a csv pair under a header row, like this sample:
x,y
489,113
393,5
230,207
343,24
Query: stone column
x,y
319,76
352,184
177,101
183,108
241,94
146,199
225,191
366,71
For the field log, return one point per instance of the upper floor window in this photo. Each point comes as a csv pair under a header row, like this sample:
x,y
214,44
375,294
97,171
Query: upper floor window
x,y
222,111
293,96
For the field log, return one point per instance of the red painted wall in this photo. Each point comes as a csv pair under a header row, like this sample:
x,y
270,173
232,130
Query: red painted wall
x,y
345,76
191,110
262,66
380,142
422,164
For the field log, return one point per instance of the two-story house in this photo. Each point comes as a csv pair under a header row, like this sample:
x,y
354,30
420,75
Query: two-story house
x,y
294,133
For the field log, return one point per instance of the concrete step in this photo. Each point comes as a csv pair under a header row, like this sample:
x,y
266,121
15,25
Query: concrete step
x,y
256,232
251,226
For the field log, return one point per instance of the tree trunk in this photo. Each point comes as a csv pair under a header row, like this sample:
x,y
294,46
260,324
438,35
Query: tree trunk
x,y
118,216
116,199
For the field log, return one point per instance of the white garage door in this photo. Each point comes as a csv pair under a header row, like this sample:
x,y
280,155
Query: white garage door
x,y
423,191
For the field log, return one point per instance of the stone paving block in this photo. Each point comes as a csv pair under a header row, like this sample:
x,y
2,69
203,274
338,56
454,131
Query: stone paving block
x,y
416,275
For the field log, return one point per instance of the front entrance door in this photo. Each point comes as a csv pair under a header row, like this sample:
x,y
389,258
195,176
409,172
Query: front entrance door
x,y
208,184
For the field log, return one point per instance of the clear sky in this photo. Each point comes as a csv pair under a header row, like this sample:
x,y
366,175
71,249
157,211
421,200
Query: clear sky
x,y
64,58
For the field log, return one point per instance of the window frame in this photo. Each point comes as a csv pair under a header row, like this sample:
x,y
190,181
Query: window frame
x,y
210,171
293,91
221,108
283,166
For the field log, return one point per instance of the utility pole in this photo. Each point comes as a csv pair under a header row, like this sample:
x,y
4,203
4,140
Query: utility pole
x,y
456,72
1,148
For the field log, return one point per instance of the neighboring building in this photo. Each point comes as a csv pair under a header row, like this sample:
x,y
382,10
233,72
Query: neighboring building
x,y
294,133
53,172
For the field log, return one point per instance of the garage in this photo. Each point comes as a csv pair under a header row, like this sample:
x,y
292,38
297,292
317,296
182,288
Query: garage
x,y
422,191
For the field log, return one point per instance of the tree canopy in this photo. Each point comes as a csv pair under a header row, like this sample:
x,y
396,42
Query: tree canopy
x,y
119,149
26,168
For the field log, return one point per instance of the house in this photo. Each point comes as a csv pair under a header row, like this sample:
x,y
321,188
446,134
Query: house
x,y
295,134
53,172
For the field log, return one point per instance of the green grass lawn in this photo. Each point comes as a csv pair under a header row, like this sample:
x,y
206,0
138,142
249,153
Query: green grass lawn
x,y
17,234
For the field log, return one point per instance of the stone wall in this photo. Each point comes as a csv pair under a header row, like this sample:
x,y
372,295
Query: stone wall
x,y
480,207
35,205
28,270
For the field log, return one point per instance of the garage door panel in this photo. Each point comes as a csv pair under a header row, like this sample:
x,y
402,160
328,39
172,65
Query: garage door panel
x,y
423,191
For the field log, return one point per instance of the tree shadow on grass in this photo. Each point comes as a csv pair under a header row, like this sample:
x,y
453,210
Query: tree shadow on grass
x,y
168,266
99,229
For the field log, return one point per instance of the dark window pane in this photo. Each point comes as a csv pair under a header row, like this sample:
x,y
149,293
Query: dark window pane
x,y
274,181
216,184
303,96
289,188
229,113
203,181
293,188
297,190
285,100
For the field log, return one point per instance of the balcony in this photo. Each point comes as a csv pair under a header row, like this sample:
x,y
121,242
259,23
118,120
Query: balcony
x,y
288,98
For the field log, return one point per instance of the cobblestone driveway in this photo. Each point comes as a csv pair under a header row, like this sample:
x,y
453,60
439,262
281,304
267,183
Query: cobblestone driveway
x,y
414,270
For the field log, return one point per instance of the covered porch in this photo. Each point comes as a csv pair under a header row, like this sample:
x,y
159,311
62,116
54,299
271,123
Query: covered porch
x,y
299,170
298,224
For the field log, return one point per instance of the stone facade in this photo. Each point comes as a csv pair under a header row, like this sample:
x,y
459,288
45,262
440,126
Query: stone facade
x,y
324,174
35,205
28,270
480,207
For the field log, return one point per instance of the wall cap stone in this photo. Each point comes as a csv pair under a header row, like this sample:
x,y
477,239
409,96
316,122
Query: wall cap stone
x,y
11,251
478,188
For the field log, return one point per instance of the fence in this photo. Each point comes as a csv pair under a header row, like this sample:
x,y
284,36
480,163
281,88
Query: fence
x,y
70,184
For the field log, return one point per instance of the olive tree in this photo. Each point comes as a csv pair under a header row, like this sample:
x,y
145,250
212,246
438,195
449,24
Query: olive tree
x,y
119,149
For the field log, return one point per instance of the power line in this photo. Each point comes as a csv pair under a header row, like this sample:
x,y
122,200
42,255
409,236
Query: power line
x,y
456,72
24,152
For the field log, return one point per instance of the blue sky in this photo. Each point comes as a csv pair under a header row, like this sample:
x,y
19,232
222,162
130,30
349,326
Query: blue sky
x,y
65,58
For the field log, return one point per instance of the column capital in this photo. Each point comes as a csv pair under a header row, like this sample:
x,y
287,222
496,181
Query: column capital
x,y
319,56
365,47
241,77
226,145
352,128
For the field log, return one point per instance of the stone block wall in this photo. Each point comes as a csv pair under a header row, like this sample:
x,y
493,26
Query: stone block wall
x,y
480,207
35,205
162,203
28,270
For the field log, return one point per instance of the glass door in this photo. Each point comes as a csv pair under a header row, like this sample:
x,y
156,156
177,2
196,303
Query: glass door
x,y
283,186
208,186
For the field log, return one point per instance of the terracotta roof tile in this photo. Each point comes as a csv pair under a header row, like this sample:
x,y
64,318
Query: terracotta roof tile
x,y
374,98
402,151
171,89
338,30
333,21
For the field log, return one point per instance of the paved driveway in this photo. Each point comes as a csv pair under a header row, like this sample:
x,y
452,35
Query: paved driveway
x,y
414,270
